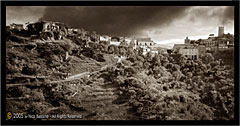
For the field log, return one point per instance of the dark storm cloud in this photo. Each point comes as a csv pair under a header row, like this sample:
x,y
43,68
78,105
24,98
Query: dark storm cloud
x,y
228,14
162,24
114,20
224,15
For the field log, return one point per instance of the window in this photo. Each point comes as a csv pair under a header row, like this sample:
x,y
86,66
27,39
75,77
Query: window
x,y
150,44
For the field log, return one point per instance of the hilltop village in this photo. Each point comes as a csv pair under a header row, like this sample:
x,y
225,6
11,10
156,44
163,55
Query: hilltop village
x,y
45,30
52,68
192,49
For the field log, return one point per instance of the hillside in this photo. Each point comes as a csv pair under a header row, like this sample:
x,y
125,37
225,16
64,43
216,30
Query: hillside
x,y
55,92
68,77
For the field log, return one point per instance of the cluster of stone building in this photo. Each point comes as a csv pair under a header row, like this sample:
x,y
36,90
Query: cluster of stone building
x,y
63,30
56,30
192,49
144,43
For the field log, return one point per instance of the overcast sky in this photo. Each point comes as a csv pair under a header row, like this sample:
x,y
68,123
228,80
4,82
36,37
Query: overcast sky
x,y
165,25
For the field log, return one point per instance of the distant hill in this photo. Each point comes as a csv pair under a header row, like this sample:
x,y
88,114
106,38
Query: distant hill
x,y
162,46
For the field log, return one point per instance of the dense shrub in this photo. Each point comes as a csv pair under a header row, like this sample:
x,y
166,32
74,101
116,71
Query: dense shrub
x,y
207,58
129,71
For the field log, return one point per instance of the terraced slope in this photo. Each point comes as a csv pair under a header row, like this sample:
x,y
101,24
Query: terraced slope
x,y
84,92
92,97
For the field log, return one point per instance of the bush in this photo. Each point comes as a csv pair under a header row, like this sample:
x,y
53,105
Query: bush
x,y
37,95
111,49
140,58
132,58
67,46
129,71
138,65
99,57
177,75
16,39
122,50
10,69
31,69
207,58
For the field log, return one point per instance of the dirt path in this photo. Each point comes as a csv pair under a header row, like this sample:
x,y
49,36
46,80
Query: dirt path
x,y
77,75
96,99
84,74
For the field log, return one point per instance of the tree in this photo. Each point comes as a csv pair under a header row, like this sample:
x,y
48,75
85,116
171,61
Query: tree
x,y
93,36
131,44
140,51
177,74
116,50
130,51
99,57
102,47
158,71
132,57
67,46
148,57
123,43
214,63
140,58
189,74
170,59
111,49
169,51
176,67
129,71
138,65
122,50
164,61
146,65
156,60
207,58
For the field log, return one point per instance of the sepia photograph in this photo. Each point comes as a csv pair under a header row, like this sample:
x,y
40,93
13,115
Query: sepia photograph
x,y
119,63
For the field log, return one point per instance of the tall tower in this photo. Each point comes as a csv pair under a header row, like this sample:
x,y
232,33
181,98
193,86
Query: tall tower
x,y
220,31
187,41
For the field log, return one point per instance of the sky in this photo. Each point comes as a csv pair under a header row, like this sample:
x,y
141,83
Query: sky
x,y
165,25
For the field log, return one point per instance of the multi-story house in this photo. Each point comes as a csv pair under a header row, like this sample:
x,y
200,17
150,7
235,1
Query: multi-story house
x,y
141,42
190,53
